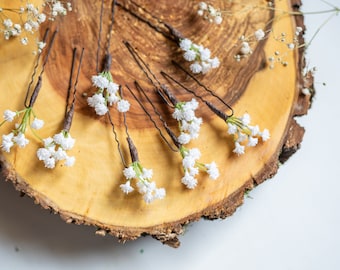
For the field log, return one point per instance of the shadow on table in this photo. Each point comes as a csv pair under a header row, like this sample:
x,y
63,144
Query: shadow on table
x,y
24,224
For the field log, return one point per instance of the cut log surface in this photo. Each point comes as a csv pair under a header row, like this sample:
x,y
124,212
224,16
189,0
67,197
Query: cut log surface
x,y
89,192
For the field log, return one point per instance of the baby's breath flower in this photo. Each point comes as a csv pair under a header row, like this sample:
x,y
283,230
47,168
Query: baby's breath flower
x,y
209,13
243,132
55,148
9,115
142,176
17,135
106,95
37,123
189,124
192,167
259,34
30,18
200,56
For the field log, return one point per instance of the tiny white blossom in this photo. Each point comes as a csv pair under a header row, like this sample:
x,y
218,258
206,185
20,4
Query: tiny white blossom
x,y
265,135
239,149
9,115
184,138
101,109
49,163
69,161
20,140
185,44
126,188
245,48
259,34
189,181
37,123
147,173
129,173
212,170
252,141
123,105
196,68
100,81
43,153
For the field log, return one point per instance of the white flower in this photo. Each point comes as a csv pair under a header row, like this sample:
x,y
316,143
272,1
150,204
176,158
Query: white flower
x,y
112,88
212,170
41,18
9,115
196,68
7,23
232,129
129,173
188,162
95,100
60,154
123,105
252,141
291,46
203,6
184,138
185,44
147,173
148,197
259,34
101,109
159,193
189,55
20,140
69,161
239,149
43,154
100,81
48,142
37,123
126,188
189,181
7,142
265,135
205,54
245,48
49,163
246,119
218,19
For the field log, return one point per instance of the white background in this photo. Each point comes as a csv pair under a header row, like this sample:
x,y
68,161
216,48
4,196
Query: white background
x,y
291,222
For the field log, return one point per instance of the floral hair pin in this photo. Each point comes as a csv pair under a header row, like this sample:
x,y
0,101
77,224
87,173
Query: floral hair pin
x,y
190,164
244,134
184,111
56,147
17,135
107,93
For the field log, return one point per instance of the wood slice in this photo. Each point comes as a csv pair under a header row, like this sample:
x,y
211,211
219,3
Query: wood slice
x,y
89,193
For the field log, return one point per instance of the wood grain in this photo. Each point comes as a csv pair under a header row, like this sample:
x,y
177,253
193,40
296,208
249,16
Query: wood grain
x,y
89,192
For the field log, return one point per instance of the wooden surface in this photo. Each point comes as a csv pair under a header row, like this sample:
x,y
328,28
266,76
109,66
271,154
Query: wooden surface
x,y
89,192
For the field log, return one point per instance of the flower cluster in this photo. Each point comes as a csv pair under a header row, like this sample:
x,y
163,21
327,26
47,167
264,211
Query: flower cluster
x,y
245,134
29,18
107,94
143,182
245,47
17,135
189,124
209,13
199,55
279,57
192,167
55,148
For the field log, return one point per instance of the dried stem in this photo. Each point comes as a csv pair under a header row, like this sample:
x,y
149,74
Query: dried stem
x,y
205,88
70,111
139,88
39,82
